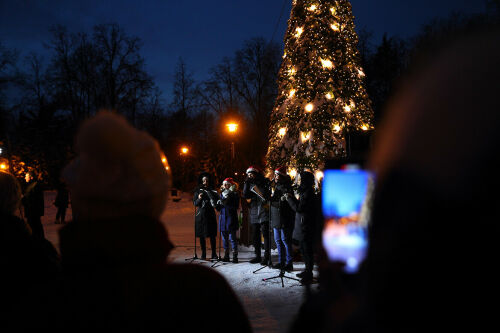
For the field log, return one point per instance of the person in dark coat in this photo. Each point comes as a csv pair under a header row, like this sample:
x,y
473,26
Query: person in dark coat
x,y
30,276
257,191
205,222
282,218
306,209
115,252
33,204
61,202
228,217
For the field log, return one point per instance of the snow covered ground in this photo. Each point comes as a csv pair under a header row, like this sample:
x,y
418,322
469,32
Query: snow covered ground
x,y
269,306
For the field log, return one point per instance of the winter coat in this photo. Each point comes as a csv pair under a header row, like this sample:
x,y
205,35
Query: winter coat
x,y
306,209
62,198
258,208
117,278
282,215
205,221
228,207
33,200
30,278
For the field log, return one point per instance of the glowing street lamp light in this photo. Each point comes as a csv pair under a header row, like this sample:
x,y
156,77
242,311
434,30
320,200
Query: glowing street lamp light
x,y
184,150
232,127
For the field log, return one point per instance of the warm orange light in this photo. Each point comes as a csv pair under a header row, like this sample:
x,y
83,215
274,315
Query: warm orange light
x,y
184,150
282,131
232,127
164,160
3,166
309,107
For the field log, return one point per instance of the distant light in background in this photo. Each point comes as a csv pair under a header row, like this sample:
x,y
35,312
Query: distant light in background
x,y
184,150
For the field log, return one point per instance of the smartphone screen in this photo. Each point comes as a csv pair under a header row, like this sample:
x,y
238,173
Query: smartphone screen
x,y
345,202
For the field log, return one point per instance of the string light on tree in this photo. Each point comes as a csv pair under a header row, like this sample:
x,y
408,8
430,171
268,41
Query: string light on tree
x,y
322,95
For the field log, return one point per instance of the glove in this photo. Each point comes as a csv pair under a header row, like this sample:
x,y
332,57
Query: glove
x,y
284,197
219,202
225,194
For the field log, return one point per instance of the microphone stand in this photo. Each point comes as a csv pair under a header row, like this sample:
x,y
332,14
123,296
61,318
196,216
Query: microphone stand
x,y
195,257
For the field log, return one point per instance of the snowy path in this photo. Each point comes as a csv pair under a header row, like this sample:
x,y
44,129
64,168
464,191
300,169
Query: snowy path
x,y
269,306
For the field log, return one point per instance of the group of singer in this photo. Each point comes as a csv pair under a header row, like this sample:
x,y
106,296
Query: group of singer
x,y
289,209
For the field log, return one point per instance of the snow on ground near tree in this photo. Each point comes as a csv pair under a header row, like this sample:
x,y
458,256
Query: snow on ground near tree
x,y
269,306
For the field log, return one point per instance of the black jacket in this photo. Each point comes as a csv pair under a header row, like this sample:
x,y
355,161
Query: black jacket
x,y
282,215
306,208
259,209
117,278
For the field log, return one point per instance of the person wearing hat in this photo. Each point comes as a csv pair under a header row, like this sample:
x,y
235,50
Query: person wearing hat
x,y
205,199
256,191
117,276
228,217
282,218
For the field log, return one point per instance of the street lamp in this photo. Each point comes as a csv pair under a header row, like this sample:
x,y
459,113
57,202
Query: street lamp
x,y
184,150
232,128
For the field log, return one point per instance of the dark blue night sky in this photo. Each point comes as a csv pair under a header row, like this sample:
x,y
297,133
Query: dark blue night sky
x,y
201,32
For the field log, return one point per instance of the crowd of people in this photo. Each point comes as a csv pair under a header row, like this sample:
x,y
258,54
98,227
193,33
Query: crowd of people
x,y
430,263
290,213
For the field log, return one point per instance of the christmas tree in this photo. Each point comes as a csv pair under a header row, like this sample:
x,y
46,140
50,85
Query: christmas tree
x,y
321,95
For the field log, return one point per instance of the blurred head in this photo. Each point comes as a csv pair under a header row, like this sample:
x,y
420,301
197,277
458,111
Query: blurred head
x,y
118,171
10,193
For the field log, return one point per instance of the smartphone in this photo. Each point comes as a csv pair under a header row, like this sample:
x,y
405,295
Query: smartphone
x,y
345,204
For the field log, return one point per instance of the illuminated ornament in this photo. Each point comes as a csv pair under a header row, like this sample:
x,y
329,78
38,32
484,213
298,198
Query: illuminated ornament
x,y
326,63
336,128
305,136
333,10
319,175
292,93
352,104
282,131
292,173
284,55
299,32
292,71
361,73
309,107
364,127
335,27
312,8
329,96
347,108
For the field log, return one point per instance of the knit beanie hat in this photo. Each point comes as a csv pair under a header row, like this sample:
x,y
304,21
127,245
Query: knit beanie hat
x,y
118,171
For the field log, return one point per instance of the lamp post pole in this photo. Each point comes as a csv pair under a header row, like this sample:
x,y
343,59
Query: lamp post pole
x,y
232,128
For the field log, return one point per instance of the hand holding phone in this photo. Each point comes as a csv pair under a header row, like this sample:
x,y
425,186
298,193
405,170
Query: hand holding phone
x,y
344,194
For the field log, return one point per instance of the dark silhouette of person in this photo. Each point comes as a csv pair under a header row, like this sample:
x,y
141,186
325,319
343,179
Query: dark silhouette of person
x,y
62,203
33,204
433,237
30,278
282,219
228,218
205,201
258,212
115,251
305,208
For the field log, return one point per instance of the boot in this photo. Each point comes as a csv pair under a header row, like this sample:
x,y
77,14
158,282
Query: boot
x,y
307,278
214,255
256,260
235,257
226,256
266,259
289,267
